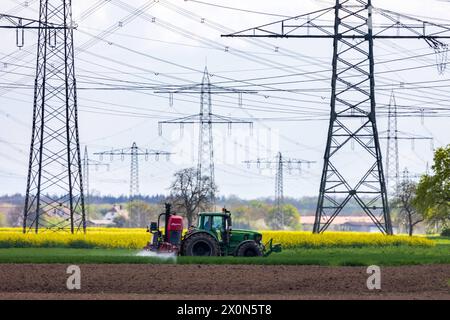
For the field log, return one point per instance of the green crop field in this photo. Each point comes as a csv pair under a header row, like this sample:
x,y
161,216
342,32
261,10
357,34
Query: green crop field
x,y
357,256
299,248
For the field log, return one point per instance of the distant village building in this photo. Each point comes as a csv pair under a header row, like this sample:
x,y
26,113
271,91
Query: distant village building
x,y
108,219
344,223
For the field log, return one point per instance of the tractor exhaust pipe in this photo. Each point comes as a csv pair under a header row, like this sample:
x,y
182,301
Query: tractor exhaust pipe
x,y
166,215
166,224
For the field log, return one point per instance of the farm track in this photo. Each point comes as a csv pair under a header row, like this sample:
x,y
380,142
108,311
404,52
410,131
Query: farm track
x,y
28,281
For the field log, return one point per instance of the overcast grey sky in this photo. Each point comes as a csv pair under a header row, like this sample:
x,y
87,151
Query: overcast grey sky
x,y
173,48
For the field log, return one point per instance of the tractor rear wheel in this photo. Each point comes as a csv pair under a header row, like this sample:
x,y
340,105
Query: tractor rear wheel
x,y
200,244
249,249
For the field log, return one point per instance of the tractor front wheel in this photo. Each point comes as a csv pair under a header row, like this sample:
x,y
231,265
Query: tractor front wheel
x,y
200,244
249,249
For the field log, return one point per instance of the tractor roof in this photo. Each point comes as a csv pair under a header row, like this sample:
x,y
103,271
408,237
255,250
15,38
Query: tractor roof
x,y
214,213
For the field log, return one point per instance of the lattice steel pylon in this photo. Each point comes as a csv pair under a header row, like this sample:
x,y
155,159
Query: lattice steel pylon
x,y
134,153
392,161
407,176
279,194
281,163
54,194
394,135
86,174
205,119
353,120
134,171
205,162
87,164
360,177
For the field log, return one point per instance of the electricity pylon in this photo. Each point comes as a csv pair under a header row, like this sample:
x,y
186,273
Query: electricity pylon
x,y
134,172
134,153
205,118
392,161
407,176
281,163
392,152
87,164
353,105
54,194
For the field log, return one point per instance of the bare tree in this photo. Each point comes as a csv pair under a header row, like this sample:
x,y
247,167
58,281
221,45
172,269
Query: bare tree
x,y
405,195
14,216
187,196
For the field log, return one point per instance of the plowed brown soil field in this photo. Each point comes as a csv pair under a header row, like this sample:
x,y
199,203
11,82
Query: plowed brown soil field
x,y
41,281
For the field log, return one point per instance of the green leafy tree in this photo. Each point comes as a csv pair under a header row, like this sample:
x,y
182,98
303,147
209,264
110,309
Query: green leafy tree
x,y
291,217
433,191
252,214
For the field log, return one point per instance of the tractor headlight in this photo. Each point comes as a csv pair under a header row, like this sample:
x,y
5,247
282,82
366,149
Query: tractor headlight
x,y
258,238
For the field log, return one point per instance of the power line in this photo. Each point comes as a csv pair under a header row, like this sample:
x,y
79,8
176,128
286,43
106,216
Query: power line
x,y
205,118
281,164
134,153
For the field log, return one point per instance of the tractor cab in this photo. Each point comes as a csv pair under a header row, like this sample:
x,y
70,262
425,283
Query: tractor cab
x,y
235,242
216,223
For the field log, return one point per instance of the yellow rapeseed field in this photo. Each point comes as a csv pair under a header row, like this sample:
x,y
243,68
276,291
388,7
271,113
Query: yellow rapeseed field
x,y
137,238
299,239
108,238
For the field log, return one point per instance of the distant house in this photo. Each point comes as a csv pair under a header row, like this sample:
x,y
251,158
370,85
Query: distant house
x,y
344,223
100,223
59,212
108,219
116,211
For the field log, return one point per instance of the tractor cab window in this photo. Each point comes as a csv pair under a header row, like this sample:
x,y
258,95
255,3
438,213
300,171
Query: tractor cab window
x,y
212,223
218,223
206,223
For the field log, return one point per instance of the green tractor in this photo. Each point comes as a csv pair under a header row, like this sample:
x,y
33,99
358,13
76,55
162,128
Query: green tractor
x,y
213,236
